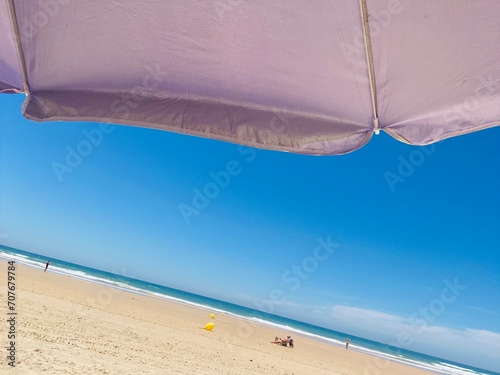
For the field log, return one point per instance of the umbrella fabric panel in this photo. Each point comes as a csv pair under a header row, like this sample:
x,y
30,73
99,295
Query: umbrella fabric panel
x,y
437,67
268,74
10,69
286,75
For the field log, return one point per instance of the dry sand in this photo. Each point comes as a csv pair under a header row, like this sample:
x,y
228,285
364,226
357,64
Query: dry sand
x,y
70,326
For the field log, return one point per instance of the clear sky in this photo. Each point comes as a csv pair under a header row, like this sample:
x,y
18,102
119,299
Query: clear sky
x,y
394,243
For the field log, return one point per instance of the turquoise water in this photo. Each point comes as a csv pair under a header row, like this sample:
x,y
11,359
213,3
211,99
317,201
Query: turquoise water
x,y
384,354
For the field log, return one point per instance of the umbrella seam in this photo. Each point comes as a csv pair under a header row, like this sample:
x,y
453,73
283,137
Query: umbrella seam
x,y
20,53
369,61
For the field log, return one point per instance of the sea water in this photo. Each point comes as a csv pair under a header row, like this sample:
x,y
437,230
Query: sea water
x,y
250,316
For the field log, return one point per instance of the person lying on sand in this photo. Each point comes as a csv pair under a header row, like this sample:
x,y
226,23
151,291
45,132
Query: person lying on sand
x,y
277,340
284,342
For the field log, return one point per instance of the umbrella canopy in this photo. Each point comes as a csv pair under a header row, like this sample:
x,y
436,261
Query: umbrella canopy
x,y
312,77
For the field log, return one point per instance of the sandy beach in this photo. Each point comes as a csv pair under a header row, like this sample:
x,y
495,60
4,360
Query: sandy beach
x,y
69,326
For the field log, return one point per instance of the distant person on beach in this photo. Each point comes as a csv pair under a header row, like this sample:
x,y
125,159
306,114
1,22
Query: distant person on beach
x,y
46,265
347,343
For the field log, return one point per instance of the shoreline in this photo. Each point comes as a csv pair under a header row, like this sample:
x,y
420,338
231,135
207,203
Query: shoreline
x,y
71,325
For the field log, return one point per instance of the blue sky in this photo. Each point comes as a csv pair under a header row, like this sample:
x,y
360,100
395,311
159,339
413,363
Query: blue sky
x,y
392,242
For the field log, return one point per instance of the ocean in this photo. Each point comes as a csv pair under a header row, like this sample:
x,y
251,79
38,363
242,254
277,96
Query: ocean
x,y
382,353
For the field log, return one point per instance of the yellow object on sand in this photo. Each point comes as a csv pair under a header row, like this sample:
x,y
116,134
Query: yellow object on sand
x,y
209,326
212,316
